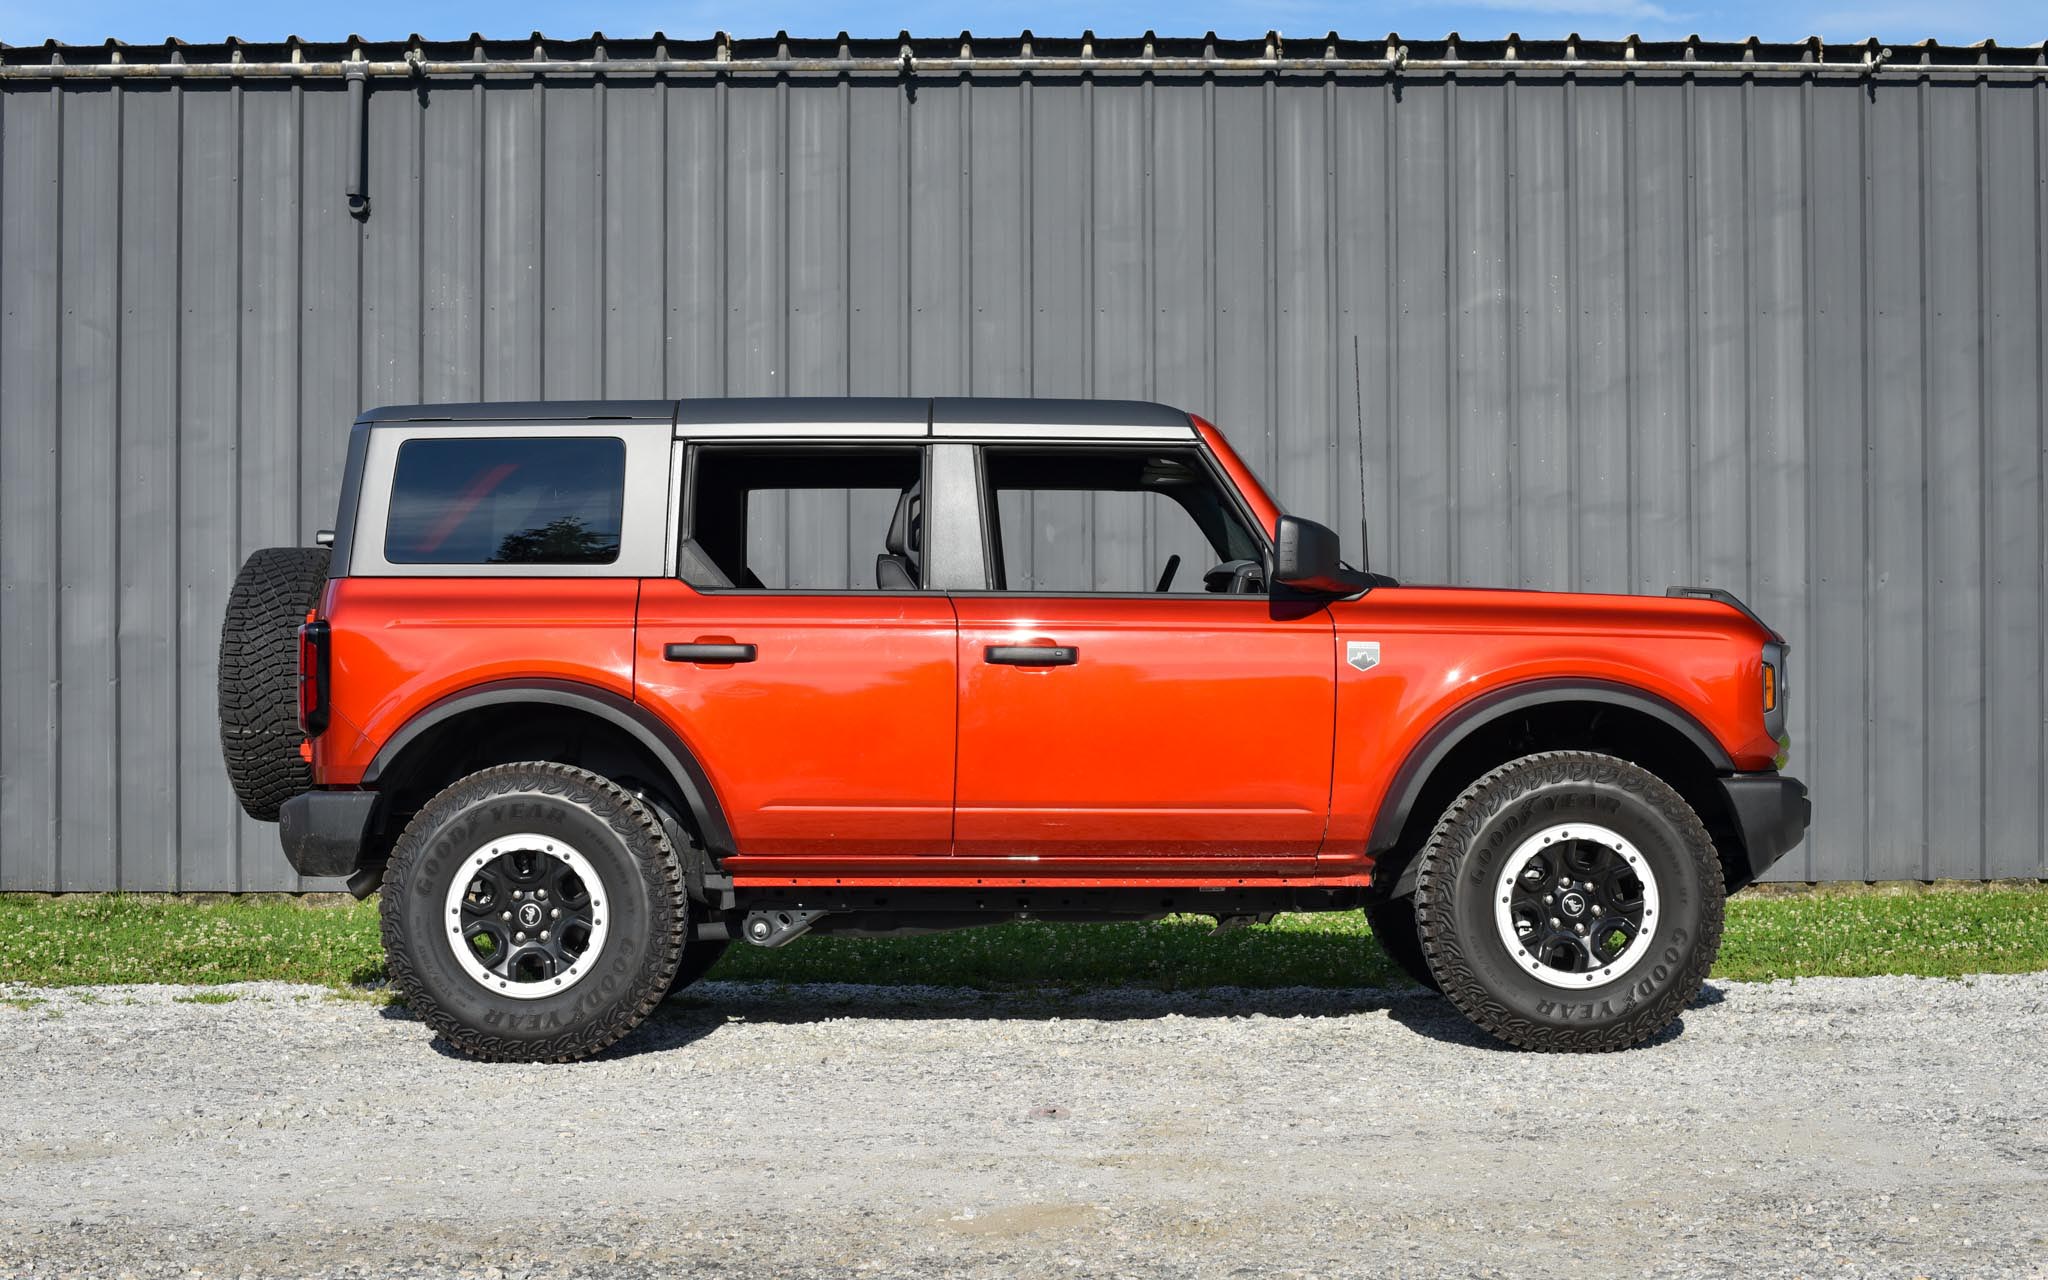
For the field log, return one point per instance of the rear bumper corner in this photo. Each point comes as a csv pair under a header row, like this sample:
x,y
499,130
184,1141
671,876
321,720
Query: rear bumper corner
x,y
324,833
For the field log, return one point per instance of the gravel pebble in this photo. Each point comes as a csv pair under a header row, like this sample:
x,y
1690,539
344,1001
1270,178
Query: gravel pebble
x,y
1840,1127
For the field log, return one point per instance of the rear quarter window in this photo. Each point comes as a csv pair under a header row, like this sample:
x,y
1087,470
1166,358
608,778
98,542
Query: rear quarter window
x,y
507,501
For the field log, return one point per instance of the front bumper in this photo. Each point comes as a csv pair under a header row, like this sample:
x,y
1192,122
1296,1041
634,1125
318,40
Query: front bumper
x,y
324,833
1771,815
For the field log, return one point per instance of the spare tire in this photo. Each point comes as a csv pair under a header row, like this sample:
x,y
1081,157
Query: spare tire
x,y
259,676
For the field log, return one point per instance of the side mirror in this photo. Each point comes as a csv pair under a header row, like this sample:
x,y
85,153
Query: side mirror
x,y
1306,558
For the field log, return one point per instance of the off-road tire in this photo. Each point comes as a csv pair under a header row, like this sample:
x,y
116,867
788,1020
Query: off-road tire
x,y
1394,928
699,954
1463,945
648,912
259,676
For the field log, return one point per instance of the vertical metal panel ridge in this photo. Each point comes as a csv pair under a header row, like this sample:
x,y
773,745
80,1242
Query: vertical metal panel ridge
x,y
30,179
1814,584
87,543
2039,93
1511,350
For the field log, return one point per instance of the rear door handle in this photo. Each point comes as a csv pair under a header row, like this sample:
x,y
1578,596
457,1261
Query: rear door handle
x,y
1032,655
709,653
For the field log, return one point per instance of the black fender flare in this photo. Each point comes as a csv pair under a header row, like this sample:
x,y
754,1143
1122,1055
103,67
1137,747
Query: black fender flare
x,y
637,722
1475,714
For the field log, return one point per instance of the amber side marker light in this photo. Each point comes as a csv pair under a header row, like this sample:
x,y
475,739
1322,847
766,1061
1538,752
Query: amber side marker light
x,y
1770,687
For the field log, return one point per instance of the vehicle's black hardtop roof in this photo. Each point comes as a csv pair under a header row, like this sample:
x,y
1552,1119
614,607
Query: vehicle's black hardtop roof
x,y
938,410
524,411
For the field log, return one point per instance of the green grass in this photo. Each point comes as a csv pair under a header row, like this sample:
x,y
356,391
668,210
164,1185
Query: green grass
x,y
206,997
104,939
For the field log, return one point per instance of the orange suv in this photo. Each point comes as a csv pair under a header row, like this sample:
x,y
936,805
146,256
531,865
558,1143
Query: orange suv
x,y
592,690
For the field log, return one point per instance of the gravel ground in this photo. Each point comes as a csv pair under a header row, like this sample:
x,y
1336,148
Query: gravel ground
x,y
1839,1127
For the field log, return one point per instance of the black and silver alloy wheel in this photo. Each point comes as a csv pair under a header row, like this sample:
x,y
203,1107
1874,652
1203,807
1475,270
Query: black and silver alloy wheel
x,y
534,913
526,916
1570,901
1575,902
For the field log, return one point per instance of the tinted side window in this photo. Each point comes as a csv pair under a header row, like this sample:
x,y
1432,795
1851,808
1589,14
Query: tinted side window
x,y
507,501
1114,521
806,518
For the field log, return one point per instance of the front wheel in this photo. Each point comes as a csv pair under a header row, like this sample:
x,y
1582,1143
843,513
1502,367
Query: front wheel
x,y
1570,901
534,913
1393,926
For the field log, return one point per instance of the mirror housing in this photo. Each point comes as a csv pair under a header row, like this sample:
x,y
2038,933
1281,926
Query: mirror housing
x,y
1306,558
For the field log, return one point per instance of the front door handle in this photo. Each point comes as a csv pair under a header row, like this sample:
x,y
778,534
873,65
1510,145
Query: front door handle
x,y
709,653
1032,655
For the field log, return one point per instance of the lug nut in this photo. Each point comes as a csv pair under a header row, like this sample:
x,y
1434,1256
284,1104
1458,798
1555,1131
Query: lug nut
x,y
555,914
542,894
518,937
1554,922
1596,909
506,915
1581,928
543,935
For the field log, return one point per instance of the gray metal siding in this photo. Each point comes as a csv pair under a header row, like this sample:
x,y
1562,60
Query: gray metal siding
x,y
1779,334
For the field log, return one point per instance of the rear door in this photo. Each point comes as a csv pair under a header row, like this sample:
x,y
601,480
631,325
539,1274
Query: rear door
x,y
800,654
1129,696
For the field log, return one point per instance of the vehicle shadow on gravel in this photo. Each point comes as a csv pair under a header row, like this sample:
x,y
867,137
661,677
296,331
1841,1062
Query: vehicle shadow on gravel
x,y
658,1034
1440,1021
715,1007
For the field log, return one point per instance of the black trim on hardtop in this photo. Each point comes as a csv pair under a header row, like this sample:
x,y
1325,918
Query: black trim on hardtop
x,y
1447,733
344,542
742,410
644,726
525,411
958,410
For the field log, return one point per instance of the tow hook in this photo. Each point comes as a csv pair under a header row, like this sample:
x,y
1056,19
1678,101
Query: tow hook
x,y
774,928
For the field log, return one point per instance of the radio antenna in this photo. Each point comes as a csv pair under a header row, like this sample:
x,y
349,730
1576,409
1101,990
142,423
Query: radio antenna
x,y
1358,400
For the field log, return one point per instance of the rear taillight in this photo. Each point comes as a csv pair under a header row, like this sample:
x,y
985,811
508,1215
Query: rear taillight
x,y
313,678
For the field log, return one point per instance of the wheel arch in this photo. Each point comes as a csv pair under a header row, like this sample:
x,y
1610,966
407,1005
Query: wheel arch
x,y
634,723
1620,719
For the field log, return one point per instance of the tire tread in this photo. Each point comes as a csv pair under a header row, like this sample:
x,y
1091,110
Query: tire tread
x,y
637,826
259,673
1455,835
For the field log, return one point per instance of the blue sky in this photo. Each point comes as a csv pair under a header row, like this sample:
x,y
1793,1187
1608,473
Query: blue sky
x,y
1960,21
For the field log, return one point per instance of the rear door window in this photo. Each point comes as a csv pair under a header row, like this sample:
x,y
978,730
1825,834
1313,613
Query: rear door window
x,y
507,501
806,518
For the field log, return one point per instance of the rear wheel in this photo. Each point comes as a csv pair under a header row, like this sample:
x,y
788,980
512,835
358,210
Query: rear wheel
x,y
534,912
699,954
259,676
1570,901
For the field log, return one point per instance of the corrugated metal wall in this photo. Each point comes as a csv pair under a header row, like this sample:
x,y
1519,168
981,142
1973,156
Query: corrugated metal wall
x,y
1779,334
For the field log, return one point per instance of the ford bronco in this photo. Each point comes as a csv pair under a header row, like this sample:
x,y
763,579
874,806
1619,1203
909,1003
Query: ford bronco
x,y
593,690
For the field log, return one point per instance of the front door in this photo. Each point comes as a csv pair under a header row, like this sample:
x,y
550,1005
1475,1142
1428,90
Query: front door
x,y
1129,697
801,656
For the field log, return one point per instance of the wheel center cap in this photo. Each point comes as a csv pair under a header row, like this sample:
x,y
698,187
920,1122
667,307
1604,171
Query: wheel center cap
x,y
529,914
1574,904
